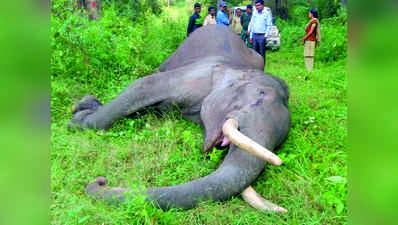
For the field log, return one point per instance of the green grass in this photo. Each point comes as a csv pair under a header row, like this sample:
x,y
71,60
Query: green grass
x,y
158,150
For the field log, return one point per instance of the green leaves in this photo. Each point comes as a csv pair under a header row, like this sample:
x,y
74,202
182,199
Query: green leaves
x,y
333,200
112,49
337,179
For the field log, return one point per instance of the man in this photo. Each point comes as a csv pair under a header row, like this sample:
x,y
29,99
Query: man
x,y
222,17
244,21
195,21
211,18
236,24
259,28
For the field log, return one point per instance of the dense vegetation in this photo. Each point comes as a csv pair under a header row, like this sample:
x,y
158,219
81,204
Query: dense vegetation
x,y
103,57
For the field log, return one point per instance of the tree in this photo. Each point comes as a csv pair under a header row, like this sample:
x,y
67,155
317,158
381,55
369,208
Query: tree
x,y
330,9
281,7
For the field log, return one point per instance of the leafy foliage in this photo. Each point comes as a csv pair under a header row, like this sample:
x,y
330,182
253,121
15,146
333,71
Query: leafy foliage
x,y
112,49
134,9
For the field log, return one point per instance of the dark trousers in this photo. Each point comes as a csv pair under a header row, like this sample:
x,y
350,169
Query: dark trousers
x,y
259,43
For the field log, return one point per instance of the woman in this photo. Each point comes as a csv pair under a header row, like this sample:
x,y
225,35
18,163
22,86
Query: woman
x,y
311,39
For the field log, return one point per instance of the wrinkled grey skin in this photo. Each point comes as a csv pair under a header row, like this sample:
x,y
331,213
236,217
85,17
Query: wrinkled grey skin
x,y
211,77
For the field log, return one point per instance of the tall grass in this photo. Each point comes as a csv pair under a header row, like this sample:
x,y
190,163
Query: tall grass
x,y
103,57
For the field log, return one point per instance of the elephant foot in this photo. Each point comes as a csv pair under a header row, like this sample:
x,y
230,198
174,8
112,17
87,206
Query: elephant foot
x,y
100,190
79,120
87,102
81,110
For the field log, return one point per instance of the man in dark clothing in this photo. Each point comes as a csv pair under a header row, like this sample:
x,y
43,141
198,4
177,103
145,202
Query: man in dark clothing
x,y
244,21
195,21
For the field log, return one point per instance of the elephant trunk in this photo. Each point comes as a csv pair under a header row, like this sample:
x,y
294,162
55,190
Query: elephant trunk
x,y
238,170
235,174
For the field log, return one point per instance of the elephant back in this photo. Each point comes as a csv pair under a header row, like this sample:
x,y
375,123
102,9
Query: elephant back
x,y
216,42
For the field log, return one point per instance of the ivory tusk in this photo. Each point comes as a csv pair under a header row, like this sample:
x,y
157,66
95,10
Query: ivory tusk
x,y
230,130
258,202
73,109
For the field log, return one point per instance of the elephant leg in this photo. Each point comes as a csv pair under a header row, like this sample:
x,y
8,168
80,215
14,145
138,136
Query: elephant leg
x,y
176,87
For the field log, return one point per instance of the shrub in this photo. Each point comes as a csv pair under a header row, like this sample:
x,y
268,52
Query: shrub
x,y
114,48
333,45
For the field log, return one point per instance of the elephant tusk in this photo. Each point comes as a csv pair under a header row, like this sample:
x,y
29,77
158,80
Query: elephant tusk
x,y
73,109
230,130
258,202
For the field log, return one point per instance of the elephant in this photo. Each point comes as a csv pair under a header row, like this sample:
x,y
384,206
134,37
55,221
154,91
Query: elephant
x,y
219,83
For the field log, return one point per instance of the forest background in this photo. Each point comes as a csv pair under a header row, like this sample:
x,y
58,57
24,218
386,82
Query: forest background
x,y
130,40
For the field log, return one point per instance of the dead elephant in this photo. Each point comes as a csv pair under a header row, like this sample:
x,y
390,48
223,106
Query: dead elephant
x,y
219,83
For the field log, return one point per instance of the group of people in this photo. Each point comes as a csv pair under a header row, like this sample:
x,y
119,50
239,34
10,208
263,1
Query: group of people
x,y
254,27
224,17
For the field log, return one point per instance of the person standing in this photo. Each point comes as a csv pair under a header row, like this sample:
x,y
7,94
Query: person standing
x,y
311,39
236,25
259,28
222,17
211,18
195,21
244,21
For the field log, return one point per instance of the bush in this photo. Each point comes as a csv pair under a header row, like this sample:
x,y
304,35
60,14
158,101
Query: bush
x,y
333,45
134,9
112,49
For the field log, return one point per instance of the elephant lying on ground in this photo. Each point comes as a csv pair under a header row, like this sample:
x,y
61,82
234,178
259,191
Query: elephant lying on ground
x,y
220,84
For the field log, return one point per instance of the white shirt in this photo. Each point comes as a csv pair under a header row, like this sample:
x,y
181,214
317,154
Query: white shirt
x,y
261,22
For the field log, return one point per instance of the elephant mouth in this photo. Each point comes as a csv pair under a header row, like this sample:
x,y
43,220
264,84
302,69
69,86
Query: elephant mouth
x,y
218,141
222,142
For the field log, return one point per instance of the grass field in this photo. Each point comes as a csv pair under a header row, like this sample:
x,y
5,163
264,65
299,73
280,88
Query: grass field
x,y
159,150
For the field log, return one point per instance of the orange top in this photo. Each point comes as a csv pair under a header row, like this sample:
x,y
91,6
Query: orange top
x,y
312,36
